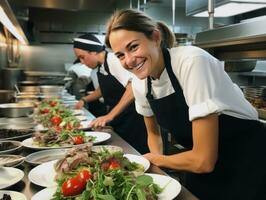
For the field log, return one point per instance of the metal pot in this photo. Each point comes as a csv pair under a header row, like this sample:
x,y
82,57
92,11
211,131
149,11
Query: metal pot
x,y
30,89
6,96
16,109
51,89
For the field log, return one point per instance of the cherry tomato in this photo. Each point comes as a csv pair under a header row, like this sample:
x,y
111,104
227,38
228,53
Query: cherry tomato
x,y
56,120
45,110
76,184
78,139
52,103
114,165
84,175
72,187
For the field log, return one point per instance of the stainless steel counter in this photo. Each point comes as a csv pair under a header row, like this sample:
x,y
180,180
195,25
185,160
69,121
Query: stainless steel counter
x,y
29,189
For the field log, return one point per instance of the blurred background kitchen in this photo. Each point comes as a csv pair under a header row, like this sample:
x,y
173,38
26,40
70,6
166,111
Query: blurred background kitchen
x,y
36,38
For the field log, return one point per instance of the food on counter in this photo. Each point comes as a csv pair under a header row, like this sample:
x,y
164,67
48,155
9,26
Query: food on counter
x,y
9,133
84,175
51,138
53,113
6,197
4,146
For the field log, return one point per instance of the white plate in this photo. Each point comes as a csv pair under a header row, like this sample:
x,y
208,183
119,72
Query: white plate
x,y
7,160
85,124
14,195
11,144
110,148
171,186
81,118
171,190
10,176
139,159
30,144
40,157
44,194
44,174
100,136
78,112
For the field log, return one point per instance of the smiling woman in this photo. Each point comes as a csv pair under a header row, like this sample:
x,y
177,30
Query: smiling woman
x,y
182,89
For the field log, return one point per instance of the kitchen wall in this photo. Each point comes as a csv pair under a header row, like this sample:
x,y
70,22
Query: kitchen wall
x,y
3,60
46,57
54,25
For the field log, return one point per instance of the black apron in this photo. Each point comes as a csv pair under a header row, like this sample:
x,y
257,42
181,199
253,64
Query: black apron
x,y
128,124
240,171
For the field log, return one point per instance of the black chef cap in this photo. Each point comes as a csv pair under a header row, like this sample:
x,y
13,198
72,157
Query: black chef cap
x,y
88,42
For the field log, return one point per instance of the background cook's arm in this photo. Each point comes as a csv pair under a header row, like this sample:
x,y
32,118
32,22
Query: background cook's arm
x,y
96,94
125,100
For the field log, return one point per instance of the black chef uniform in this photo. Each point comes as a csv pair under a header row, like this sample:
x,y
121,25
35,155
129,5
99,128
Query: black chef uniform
x,y
128,124
240,171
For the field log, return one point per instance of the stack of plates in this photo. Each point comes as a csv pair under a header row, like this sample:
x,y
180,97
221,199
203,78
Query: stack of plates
x,y
256,95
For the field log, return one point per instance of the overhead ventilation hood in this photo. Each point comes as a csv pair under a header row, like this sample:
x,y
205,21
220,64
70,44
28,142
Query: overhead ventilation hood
x,y
245,40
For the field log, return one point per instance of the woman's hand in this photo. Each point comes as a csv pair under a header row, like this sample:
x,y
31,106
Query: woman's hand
x,y
155,159
79,104
101,121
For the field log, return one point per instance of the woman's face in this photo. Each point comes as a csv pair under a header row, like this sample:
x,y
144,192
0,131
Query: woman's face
x,y
136,52
87,58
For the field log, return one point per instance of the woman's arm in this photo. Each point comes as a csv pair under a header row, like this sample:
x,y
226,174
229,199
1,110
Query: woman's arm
x,y
96,94
154,136
125,100
203,156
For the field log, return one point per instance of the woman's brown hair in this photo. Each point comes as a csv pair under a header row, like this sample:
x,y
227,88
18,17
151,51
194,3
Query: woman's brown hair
x,y
134,20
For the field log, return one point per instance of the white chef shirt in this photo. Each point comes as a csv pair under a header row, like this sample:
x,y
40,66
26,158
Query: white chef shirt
x,y
206,86
116,69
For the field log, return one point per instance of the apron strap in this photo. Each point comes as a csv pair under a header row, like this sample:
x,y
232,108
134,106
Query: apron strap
x,y
106,67
149,94
171,74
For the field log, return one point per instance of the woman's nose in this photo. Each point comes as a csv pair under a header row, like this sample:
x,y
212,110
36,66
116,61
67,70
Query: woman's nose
x,y
130,61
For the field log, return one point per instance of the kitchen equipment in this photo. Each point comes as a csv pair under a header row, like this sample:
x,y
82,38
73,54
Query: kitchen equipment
x,y
30,89
16,109
51,89
28,98
10,77
6,96
240,66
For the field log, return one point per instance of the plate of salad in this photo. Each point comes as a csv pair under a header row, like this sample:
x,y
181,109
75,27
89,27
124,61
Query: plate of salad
x,y
48,139
168,189
81,159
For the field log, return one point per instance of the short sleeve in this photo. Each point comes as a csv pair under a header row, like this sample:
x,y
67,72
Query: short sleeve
x,y
117,70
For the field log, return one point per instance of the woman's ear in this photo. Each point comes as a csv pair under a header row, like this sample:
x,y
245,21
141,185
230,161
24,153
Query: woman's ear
x,y
156,37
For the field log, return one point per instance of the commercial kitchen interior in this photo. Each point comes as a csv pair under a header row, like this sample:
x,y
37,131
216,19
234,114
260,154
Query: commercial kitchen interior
x,y
50,26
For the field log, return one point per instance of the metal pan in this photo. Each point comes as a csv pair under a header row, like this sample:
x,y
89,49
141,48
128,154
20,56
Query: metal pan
x,y
16,109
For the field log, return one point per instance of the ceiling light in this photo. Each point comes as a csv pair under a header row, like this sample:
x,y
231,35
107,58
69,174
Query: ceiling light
x,y
10,26
223,8
231,9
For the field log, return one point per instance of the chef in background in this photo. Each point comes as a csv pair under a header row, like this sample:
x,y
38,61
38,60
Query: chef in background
x,y
186,90
115,88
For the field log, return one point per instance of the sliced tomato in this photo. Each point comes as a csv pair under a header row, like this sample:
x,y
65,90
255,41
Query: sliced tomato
x,y
52,103
114,165
72,187
44,110
78,139
76,184
56,120
84,175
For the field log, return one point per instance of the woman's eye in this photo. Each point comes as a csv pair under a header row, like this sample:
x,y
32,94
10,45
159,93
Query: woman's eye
x,y
120,57
133,47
